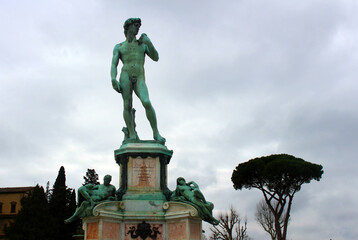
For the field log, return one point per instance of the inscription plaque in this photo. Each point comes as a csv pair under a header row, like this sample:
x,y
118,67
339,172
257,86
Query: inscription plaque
x,y
144,172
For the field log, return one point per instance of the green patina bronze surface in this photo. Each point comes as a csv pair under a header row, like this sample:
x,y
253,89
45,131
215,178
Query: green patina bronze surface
x,y
139,203
89,195
144,147
132,53
191,194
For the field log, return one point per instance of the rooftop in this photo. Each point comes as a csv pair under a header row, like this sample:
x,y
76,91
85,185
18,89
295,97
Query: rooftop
x,y
15,189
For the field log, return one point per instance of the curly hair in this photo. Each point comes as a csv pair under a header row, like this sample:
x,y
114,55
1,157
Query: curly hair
x,y
129,22
179,179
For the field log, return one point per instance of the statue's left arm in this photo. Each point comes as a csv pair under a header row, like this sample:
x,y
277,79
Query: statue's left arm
x,y
196,186
85,193
150,51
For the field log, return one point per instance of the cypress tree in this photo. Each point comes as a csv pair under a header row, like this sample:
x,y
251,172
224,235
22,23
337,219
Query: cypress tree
x,y
61,207
33,221
73,227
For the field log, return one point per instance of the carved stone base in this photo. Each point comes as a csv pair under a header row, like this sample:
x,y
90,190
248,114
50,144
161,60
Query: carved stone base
x,y
143,170
143,212
119,221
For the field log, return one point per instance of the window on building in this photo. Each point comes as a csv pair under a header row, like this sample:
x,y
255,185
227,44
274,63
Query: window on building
x,y
13,207
0,207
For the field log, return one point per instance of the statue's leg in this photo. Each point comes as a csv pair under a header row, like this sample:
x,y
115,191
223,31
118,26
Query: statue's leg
x,y
79,212
198,194
206,210
127,91
142,92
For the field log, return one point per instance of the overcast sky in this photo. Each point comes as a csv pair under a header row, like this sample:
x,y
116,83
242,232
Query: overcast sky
x,y
235,80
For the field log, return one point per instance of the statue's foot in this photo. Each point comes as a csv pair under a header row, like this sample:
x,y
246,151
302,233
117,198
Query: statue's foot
x,y
131,138
159,138
134,136
215,222
69,220
212,220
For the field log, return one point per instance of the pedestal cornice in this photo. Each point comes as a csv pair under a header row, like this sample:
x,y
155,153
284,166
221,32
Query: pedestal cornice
x,y
143,149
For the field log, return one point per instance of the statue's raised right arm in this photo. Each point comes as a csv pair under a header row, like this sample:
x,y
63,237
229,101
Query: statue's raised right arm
x,y
150,50
115,61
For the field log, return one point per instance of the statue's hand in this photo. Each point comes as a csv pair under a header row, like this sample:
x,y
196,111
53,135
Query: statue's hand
x,y
92,202
191,183
144,38
116,86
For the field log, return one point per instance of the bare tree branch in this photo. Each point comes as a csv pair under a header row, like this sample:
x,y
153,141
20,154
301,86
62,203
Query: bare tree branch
x,y
231,227
266,218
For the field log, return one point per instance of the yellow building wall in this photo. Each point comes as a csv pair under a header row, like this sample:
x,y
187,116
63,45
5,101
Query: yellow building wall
x,y
6,216
7,198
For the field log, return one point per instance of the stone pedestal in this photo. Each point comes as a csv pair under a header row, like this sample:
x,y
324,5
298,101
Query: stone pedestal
x,y
144,211
143,170
112,221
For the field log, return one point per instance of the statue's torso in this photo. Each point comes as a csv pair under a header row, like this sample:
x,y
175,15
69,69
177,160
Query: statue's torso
x,y
104,191
132,55
185,191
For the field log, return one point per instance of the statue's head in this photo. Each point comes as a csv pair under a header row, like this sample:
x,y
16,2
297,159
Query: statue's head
x,y
180,181
107,179
129,22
